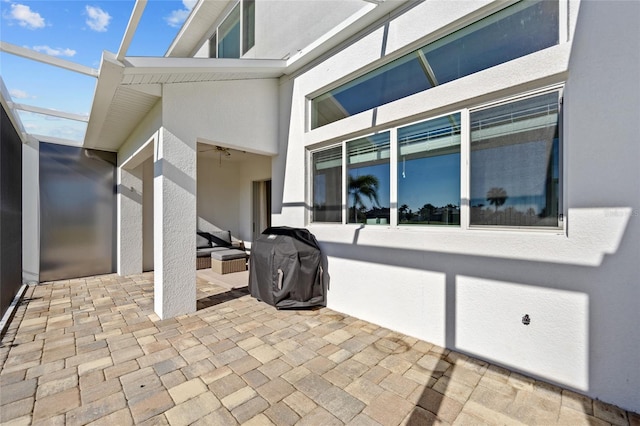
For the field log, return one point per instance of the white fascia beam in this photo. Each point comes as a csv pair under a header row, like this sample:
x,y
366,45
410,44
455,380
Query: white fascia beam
x,y
188,22
52,112
184,27
134,20
109,80
144,65
47,59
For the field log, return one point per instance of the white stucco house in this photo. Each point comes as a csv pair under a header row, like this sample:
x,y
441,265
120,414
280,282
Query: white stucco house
x,y
470,168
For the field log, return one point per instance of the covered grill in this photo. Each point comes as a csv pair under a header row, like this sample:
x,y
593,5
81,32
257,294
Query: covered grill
x,y
285,268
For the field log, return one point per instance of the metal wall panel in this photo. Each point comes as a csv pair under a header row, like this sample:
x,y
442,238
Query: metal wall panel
x,y
77,212
10,213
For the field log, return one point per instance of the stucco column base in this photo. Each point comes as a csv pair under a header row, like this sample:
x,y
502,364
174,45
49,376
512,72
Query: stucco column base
x,y
174,225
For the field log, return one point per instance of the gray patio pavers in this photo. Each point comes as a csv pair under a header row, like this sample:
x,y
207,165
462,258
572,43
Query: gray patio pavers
x,y
91,351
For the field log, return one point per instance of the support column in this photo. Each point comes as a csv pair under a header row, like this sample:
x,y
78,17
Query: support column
x,y
174,225
129,221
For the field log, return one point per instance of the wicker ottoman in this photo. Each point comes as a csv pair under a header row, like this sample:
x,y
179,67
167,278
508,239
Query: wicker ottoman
x,y
203,262
203,256
227,261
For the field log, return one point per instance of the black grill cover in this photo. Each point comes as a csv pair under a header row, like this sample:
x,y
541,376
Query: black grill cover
x,y
285,268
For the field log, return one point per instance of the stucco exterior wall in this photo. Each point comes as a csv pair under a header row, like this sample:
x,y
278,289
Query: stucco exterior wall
x,y
141,136
602,152
258,169
225,192
218,195
469,289
174,218
136,156
147,214
279,35
237,114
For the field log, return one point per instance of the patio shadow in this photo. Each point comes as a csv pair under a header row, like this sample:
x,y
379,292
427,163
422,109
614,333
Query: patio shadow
x,y
219,298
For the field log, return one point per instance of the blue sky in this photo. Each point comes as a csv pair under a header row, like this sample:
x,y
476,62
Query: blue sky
x,y
77,31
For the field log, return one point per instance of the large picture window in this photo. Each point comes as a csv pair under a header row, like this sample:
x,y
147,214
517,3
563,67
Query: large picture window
x,y
518,30
429,172
513,168
515,163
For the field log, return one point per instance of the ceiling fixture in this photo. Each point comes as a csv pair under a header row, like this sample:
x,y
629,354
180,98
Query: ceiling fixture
x,y
222,151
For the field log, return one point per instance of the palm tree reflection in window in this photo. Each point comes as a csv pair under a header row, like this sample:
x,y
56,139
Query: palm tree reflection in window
x,y
361,187
497,197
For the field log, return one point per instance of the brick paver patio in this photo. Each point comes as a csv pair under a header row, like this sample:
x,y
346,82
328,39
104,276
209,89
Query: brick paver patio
x,y
91,351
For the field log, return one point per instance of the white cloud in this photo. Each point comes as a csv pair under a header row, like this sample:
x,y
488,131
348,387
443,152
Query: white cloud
x,y
97,19
19,94
188,4
177,17
25,16
55,52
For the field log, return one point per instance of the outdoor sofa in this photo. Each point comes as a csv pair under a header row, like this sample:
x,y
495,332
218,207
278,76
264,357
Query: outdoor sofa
x,y
218,251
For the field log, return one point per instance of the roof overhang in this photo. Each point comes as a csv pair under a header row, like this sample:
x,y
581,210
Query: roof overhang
x,y
127,91
168,70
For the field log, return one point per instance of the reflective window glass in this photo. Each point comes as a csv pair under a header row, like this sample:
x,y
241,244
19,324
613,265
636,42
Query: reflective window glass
x,y
429,172
229,35
368,185
327,185
515,163
521,29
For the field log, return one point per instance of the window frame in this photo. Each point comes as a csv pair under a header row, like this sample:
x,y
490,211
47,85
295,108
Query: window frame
x,y
561,177
228,15
472,19
311,183
247,45
397,149
345,182
241,42
465,167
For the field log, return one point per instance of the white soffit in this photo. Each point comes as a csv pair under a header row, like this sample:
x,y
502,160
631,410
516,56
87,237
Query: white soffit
x,y
127,91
